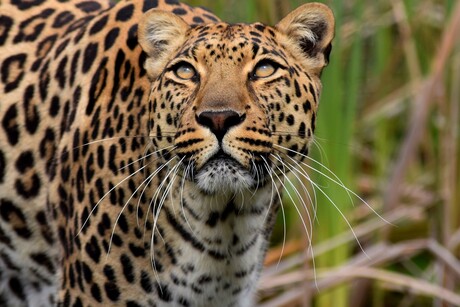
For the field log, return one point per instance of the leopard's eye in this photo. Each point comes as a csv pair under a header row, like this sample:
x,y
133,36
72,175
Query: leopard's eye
x,y
264,69
185,71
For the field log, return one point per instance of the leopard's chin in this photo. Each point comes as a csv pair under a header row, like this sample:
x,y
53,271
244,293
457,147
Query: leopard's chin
x,y
222,174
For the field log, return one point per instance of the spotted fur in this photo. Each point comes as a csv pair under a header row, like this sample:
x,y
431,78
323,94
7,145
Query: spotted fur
x,y
139,148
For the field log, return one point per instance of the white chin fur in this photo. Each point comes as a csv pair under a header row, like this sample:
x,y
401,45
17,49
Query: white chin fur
x,y
223,177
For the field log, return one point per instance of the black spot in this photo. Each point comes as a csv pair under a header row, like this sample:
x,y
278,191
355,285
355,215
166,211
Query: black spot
x,y
131,41
88,6
80,185
10,125
260,27
98,25
149,4
5,26
43,260
89,57
87,272
61,73
98,84
302,130
62,19
112,291
255,50
213,219
12,71
136,250
298,93
198,19
127,266
306,106
96,292
125,13
28,187
204,279
169,119
75,101
13,215
163,292
17,288
44,81
93,249
2,166
89,170
109,273
54,107
173,2
25,161
26,4
123,223
111,37
290,119
293,150
312,91
100,157
66,298
146,283
112,154
179,11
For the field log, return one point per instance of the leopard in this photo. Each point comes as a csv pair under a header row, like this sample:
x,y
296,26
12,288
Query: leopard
x,y
144,146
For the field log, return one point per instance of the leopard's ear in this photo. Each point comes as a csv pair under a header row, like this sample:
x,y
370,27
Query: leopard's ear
x,y
160,34
310,29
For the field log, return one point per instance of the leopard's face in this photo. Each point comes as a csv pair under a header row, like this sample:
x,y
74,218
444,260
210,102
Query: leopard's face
x,y
233,104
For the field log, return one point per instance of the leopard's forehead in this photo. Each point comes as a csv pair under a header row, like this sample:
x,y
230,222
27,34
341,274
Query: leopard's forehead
x,y
234,41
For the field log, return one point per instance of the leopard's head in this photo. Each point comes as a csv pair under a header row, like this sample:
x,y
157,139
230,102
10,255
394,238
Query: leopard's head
x,y
231,104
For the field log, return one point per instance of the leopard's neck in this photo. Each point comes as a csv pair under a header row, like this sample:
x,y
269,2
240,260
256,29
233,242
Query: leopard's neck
x,y
216,241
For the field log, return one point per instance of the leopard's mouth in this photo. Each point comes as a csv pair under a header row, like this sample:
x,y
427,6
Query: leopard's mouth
x,y
221,156
222,173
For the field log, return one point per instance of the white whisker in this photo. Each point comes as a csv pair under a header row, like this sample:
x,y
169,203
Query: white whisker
x,y
338,181
270,171
182,198
307,232
157,213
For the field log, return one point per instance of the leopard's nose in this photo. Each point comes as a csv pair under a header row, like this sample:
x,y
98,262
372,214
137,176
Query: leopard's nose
x,y
219,122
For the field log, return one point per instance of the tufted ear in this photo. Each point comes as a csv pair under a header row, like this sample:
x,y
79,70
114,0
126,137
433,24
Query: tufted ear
x,y
310,28
160,34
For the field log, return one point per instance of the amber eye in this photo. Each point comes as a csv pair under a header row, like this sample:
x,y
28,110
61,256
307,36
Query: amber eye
x,y
264,69
185,71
